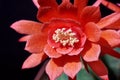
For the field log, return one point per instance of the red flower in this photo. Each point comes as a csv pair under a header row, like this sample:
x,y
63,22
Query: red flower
x,y
67,33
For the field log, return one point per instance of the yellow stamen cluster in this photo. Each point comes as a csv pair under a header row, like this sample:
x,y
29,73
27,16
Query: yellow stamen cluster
x,y
65,37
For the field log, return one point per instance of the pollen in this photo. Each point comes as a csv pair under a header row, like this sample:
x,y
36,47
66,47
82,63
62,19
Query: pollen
x,y
65,37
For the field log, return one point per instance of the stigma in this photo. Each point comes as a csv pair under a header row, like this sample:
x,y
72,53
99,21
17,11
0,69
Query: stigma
x,y
65,37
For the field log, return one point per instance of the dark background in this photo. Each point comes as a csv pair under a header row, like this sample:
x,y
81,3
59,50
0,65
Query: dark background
x,y
12,53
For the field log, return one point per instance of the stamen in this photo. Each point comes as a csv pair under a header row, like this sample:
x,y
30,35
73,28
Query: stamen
x,y
65,37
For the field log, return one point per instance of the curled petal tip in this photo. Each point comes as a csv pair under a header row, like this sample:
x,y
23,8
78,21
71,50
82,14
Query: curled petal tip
x,y
111,6
97,3
118,4
105,77
24,66
36,3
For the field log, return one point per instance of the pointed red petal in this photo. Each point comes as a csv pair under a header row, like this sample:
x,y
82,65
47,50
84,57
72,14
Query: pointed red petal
x,y
90,14
47,10
115,25
51,52
53,70
48,3
72,66
97,3
99,68
34,60
36,43
111,6
45,14
26,26
92,31
80,4
112,37
69,78
85,65
36,3
67,10
24,38
108,20
91,52
108,50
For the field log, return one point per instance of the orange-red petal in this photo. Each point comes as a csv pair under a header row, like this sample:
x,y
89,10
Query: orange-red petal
x,y
67,10
75,51
90,14
60,23
51,52
111,6
97,3
80,4
92,32
24,38
36,3
108,20
26,26
36,43
108,50
115,25
64,50
111,36
99,68
45,14
34,60
48,3
47,10
72,65
64,10
53,70
91,52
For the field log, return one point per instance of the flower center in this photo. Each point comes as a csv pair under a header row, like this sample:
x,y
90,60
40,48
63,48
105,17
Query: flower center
x,y
65,37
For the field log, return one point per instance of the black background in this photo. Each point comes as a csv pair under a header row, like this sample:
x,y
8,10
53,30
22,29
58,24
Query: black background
x,y
12,53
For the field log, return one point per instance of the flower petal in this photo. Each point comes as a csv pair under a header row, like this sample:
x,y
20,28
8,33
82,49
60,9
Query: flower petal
x,y
111,6
64,50
67,10
34,60
97,3
85,64
48,3
51,52
36,3
75,51
24,38
47,10
26,26
108,50
91,52
111,36
108,20
80,4
53,70
72,66
90,14
115,25
60,23
92,31
36,43
99,68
